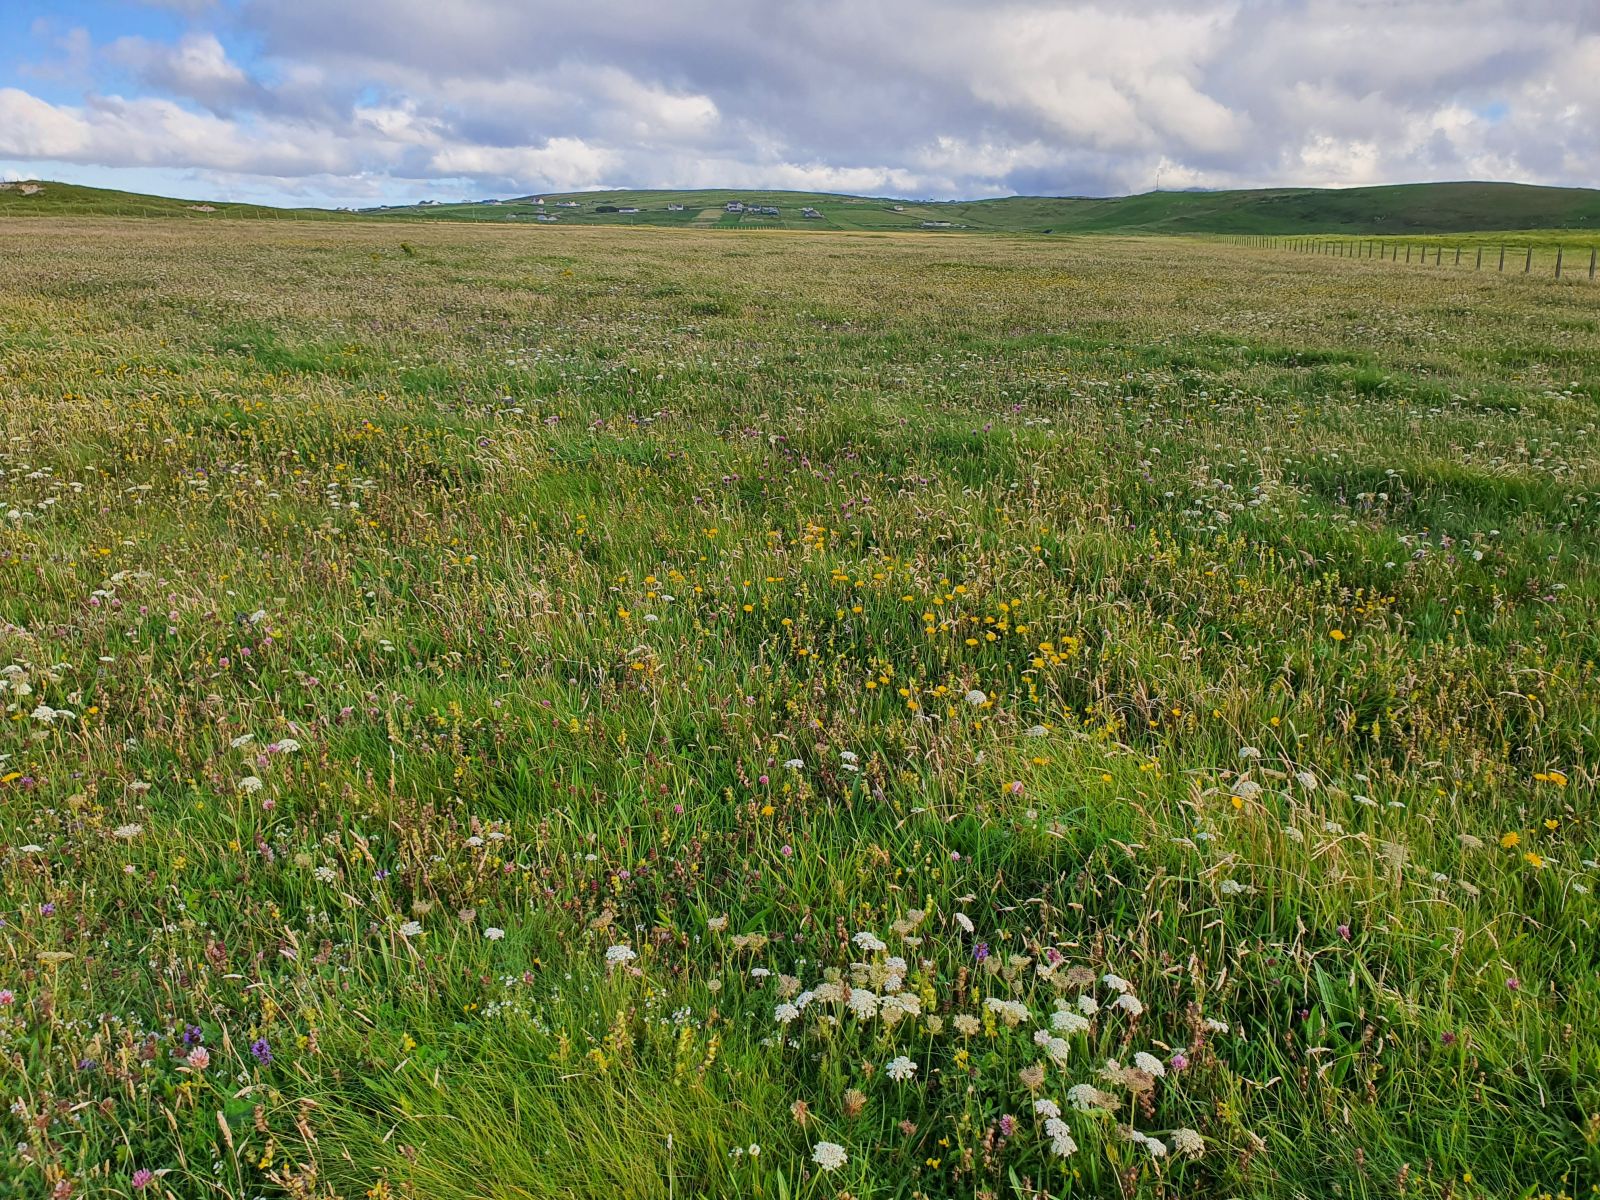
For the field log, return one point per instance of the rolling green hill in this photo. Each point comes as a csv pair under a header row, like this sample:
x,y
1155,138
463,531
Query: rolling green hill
x,y
44,198
1405,209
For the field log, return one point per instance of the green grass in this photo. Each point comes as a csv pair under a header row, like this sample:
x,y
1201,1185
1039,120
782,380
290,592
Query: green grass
x,y
1217,619
1395,211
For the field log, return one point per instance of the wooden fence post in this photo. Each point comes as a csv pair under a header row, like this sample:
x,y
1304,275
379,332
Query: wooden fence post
x,y
1479,267
1558,261
1502,257
1592,256
1408,251
1528,265
1458,256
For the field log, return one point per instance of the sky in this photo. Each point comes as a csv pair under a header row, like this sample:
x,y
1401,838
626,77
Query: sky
x,y
362,102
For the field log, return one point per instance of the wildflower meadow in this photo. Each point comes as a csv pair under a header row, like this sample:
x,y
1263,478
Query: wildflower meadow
x,y
490,711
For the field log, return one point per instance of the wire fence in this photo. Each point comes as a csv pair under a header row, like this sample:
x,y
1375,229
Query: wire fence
x,y
1562,261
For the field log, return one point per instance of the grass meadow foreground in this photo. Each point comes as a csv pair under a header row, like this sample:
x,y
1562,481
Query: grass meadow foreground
x,y
492,712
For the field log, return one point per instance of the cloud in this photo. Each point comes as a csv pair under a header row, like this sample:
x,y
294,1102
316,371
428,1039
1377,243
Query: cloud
x,y
917,97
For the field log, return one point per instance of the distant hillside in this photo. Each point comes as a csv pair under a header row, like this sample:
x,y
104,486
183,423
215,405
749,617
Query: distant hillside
x,y
44,198
1419,208
1410,209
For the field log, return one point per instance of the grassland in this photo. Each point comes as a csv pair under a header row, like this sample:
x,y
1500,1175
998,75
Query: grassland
x,y
1422,208
1406,210
670,714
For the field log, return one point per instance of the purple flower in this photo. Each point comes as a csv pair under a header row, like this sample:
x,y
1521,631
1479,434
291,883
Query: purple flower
x,y
1008,1125
261,1050
1179,1061
1344,932
981,951
1447,1038
192,1036
47,909
143,1178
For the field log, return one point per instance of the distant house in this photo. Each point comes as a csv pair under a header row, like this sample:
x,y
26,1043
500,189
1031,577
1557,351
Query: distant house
x,y
734,206
547,217
938,224
898,208
566,204
539,200
674,208
627,210
810,214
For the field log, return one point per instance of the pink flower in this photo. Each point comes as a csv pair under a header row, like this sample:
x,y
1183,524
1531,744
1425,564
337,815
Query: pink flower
x,y
199,1058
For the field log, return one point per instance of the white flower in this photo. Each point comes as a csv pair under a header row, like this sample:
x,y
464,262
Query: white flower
x,y
794,764
1011,1012
901,1004
1067,1021
900,1069
1057,1050
1306,780
870,942
785,1013
964,921
1037,731
863,1004
250,785
1249,752
1246,789
846,756
242,741
410,929
1129,1003
1187,1142
1232,887
1157,1148
1046,1108
326,874
1088,1005
976,698
830,1156
1060,1135
286,746
493,934
1215,1026
1083,1096
1150,1063
1115,982
128,832
616,955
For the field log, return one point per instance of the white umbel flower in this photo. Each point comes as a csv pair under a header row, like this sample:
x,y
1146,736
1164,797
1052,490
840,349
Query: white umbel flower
x,y
830,1156
900,1069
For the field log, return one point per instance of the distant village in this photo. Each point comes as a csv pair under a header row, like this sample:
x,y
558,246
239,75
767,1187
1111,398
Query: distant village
x,y
599,206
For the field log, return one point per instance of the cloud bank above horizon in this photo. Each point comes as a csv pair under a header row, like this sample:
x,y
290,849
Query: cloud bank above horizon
x,y
329,102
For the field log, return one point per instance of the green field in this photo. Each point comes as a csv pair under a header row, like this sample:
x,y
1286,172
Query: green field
x,y
1427,208
1405,210
654,713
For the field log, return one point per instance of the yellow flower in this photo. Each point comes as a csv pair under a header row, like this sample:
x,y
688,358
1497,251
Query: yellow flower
x,y
1511,841
1533,860
1336,634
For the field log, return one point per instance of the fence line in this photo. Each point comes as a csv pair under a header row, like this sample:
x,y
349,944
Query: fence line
x,y
1390,252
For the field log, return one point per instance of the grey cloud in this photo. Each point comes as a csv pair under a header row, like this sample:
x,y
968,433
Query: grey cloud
x,y
907,96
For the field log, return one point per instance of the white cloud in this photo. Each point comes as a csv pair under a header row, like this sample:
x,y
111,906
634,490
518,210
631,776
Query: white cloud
x,y
916,97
